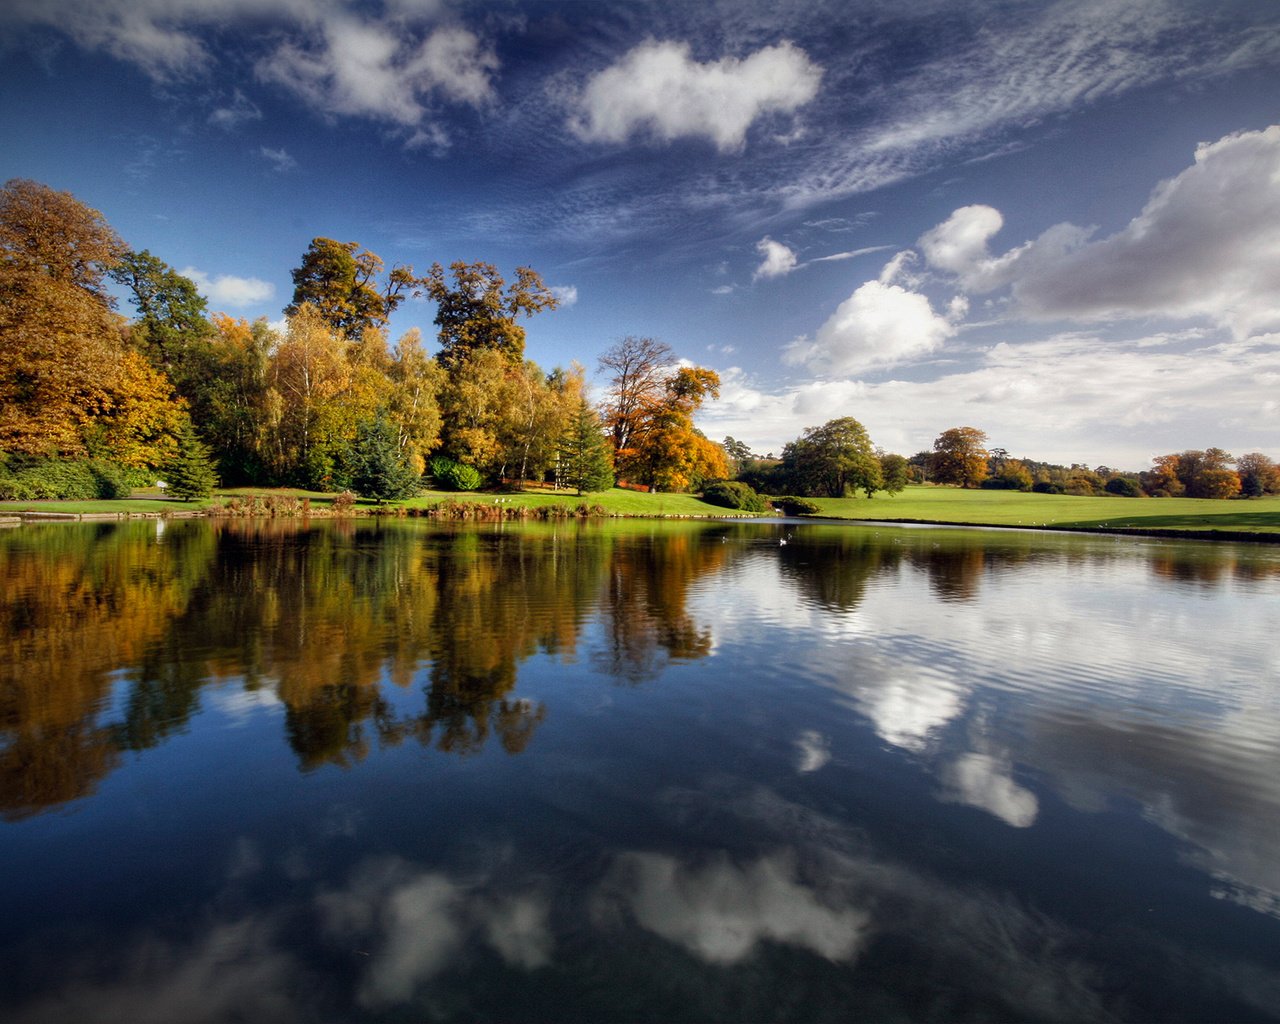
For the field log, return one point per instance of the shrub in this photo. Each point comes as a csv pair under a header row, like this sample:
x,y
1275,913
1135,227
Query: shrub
x,y
1124,487
344,503
793,506
56,479
454,476
1046,487
734,494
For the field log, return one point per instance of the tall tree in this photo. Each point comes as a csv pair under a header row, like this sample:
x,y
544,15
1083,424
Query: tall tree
x,y
379,468
960,456
171,312
585,461
190,472
475,312
833,460
1258,474
342,282
67,385
638,369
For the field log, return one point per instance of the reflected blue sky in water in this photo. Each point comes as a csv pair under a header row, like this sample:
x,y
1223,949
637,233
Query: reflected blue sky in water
x,y
899,774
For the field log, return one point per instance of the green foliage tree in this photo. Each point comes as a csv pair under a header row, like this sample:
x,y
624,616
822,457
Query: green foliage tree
x,y
190,474
833,460
378,467
895,472
171,312
960,456
342,282
475,312
586,463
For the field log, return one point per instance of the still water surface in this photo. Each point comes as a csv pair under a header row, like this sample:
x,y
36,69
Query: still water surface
x,y
679,772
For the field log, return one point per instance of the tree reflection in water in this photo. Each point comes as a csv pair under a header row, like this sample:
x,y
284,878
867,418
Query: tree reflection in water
x,y
115,633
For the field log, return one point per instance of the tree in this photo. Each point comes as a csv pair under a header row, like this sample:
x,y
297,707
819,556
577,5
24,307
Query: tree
x,y
960,456
738,454
638,369
190,474
54,236
1258,474
171,312
341,282
68,387
379,467
894,472
474,312
664,449
585,461
833,460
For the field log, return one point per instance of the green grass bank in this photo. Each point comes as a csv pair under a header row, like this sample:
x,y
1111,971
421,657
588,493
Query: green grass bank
x,y
919,504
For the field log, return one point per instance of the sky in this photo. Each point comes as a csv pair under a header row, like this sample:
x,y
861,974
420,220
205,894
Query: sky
x,y
1057,222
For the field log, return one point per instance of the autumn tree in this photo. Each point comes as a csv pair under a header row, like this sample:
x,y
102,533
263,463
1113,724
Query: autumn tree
x,y
665,451
833,460
960,456
67,385
638,369
342,282
478,310
1259,475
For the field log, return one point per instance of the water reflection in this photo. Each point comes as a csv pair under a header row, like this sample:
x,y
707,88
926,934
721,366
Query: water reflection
x,y
869,773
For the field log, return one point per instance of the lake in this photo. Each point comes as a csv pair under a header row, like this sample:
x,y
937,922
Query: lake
x,y
635,771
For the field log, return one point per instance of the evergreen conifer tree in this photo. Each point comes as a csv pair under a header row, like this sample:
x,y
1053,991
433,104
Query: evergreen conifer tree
x,y
585,460
191,473
379,468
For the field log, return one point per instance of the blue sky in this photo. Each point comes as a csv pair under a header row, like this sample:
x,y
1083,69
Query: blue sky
x,y
1058,222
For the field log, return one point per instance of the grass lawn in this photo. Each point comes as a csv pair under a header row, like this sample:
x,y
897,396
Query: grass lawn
x,y
917,503
1017,508
615,501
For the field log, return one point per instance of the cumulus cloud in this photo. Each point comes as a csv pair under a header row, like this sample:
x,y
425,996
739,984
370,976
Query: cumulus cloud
x,y
779,260
566,293
880,324
984,782
229,290
813,751
660,89
369,69
722,912
1206,245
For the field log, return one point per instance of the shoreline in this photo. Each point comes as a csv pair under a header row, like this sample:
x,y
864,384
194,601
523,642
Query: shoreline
x,y
20,517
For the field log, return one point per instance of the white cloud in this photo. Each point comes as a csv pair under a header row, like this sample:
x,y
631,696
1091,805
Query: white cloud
x,y
1207,244
984,782
566,293
1130,399
240,111
813,751
779,260
721,912
660,89
370,69
280,159
880,324
228,290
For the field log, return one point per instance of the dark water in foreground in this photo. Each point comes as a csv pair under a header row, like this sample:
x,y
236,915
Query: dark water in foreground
x,y
647,772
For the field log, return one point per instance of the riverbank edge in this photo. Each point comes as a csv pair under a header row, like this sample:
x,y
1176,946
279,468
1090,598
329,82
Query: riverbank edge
x,y
22,517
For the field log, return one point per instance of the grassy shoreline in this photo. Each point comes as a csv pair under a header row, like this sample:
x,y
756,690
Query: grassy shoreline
x,y
1254,519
